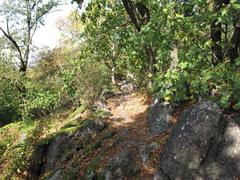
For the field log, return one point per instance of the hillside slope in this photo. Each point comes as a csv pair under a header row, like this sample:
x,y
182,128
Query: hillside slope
x,y
114,142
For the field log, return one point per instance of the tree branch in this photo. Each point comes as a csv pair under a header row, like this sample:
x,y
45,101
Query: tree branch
x,y
235,40
130,9
9,37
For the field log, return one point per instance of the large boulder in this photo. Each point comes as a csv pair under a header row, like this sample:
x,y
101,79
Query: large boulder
x,y
226,165
37,161
158,117
54,151
64,145
203,145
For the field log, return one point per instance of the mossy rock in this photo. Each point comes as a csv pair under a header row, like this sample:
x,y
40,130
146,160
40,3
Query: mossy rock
x,y
98,142
71,174
68,155
70,124
101,113
90,172
92,147
78,111
68,130
74,125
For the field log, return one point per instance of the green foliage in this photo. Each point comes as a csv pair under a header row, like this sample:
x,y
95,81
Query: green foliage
x,y
108,38
13,143
39,102
78,111
171,87
9,97
86,80
193,75
68,82
101,46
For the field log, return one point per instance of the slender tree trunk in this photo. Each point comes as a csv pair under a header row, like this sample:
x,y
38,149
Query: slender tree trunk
x,y
151,59
174,57
23,68
233,51
28,39
114,57
216,39
131,11
138,23
24,60
216,33
113,71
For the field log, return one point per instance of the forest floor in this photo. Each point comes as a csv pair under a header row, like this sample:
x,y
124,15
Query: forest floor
x,y
129,117
129,121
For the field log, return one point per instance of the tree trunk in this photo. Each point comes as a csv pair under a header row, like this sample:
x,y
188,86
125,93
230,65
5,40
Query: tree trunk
x,y
233,51
174,57
216,39
138,23
23,68
151,59
113,74
131,11
216,33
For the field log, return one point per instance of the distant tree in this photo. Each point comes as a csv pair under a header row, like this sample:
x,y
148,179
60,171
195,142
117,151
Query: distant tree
x,y
233,12
107,27
22,18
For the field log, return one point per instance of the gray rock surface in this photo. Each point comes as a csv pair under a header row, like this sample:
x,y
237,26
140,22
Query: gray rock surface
x,y
121,167
106,94
158,117
57,175
54,151
126,87
146,150
226,165
203,145
64,145
37,160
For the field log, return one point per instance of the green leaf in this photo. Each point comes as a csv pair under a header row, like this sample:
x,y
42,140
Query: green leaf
x,y
237,61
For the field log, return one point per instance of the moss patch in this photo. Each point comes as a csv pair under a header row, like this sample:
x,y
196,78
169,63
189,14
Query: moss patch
x,y
79,110
97,144
100,114
92,168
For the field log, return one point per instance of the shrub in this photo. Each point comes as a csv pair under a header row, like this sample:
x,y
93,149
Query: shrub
x,y
9,96
86,80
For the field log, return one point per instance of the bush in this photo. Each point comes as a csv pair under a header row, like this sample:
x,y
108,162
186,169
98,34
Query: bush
x,y
9,96
39,103
86,81
219,83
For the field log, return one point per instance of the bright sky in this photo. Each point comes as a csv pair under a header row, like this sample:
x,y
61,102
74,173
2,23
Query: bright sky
x,y
48,35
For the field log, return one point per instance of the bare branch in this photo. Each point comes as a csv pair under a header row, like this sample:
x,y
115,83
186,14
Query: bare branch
x,y
10,38
40,16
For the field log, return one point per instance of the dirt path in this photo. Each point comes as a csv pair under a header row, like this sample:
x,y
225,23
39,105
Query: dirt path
x,y
130,132
129,118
